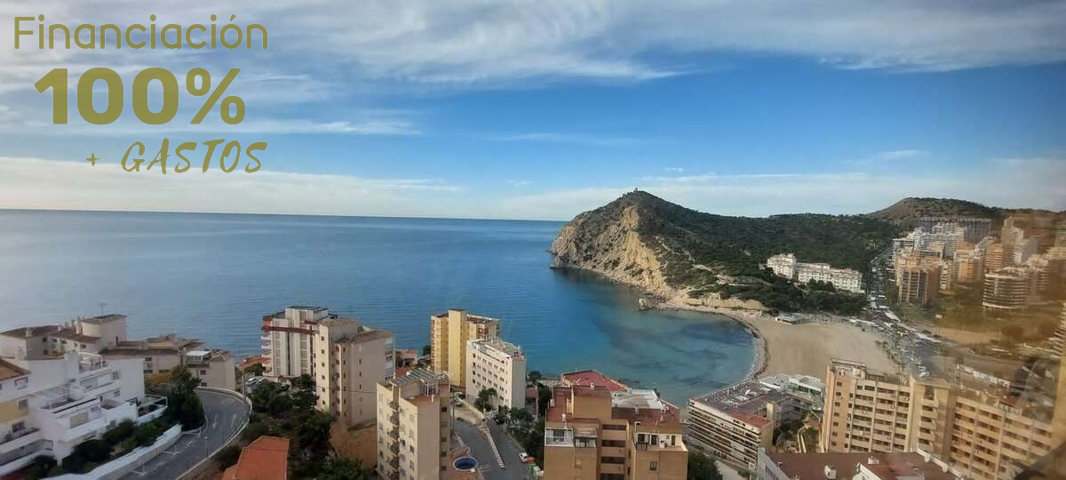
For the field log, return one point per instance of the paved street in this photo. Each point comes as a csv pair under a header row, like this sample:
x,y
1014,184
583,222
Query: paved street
x,y
480,449
224,414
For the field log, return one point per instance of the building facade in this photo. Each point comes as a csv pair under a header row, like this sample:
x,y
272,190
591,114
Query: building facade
x,y
449,333
50,405
1006,290
917,278
602,429
414,425
981,436
499,365
786,265
734,423
214,368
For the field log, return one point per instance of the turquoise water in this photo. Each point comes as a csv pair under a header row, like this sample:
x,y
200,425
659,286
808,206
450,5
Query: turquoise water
x,y
215,276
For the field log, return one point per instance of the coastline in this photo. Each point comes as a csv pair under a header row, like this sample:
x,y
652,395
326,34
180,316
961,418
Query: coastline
x,y
804,348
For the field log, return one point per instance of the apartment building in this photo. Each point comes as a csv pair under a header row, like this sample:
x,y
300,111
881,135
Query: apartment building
x,y
601,429
345,358
917,278
734,423
982,436
1024,249
106,335
213,367
786,265
414,422
1006,290
499,365
995,256
969,267
974,228
49,405
449,334
348,372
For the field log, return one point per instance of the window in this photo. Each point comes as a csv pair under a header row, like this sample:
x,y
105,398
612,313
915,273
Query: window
x,y
24,404
115,375
653,466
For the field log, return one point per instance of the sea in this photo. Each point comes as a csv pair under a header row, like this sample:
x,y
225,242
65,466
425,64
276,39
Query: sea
x,y
214,276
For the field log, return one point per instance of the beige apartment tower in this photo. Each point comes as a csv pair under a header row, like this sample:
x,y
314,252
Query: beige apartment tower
x,y
604,430
984,437
414,425
449,334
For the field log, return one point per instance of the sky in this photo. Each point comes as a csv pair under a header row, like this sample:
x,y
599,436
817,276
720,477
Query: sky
x,y
542,109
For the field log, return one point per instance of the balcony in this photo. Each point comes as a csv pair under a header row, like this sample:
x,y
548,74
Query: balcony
x,y
394,433
558,438
16,440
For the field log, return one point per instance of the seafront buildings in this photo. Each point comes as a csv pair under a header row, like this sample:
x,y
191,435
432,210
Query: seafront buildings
x,y
449,334
50,403
599,428
786,265
498,365
345,358
734,423
414,425
980,434
106,335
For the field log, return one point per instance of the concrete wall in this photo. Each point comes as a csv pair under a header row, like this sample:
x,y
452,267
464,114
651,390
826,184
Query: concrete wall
x,y
119,467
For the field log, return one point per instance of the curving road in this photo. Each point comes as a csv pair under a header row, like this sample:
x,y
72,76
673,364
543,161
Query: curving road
x,y
225,415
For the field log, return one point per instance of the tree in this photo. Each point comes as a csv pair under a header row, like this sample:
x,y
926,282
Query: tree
x,y
484,399
702,467
343,469
521,415
427,350
544,396
183,405
121,432
256,370
279,404
534,377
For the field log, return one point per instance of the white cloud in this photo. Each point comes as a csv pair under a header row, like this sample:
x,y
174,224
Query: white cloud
x,y
674,169
50,184
902,154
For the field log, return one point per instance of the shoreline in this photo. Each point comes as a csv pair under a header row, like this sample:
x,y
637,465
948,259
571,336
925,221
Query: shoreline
x,y
804,348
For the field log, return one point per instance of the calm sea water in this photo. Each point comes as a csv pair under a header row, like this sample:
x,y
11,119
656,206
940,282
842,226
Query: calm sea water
x,y
214,276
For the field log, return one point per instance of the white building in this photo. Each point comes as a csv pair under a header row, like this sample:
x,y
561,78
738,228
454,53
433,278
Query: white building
x,y
786,265
496,364
50,405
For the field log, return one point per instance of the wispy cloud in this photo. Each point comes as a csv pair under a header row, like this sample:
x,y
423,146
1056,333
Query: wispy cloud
x,y
50,184
674,169
889,158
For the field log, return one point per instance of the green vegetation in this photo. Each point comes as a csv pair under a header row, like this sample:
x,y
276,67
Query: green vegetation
x,y
90,454
484,399
702,467
780,294
289,411
183,405
905,213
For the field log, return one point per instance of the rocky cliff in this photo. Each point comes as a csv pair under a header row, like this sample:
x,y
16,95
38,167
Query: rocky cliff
x,y
682,256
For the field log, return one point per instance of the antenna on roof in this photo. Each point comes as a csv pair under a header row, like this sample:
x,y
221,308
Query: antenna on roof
x,y
102,305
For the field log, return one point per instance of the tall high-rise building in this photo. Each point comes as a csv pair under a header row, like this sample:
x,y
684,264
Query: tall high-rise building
x,y
969,267
343,357
983,436
414,423
500,366
995,256
449,333
598,428
917,278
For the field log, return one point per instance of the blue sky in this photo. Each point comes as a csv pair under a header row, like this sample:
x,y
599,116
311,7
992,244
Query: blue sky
x,y
544,109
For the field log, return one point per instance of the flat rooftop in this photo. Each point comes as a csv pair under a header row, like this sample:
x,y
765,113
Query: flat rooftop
x,y
745,401
812,466
593,378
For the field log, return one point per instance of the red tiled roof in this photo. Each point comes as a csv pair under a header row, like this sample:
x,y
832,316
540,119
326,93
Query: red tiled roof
x,y
592,377
267,458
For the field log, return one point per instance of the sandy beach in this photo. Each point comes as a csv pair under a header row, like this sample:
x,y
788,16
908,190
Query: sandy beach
x,y
805,348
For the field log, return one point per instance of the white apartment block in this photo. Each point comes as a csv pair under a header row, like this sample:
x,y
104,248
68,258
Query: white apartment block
x,y
49,405
787,266
414,423
499,365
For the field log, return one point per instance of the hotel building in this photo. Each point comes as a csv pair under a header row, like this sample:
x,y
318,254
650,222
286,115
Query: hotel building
x,y
598,428
734,423
786,265
499,365
414,425
449,334
979,435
